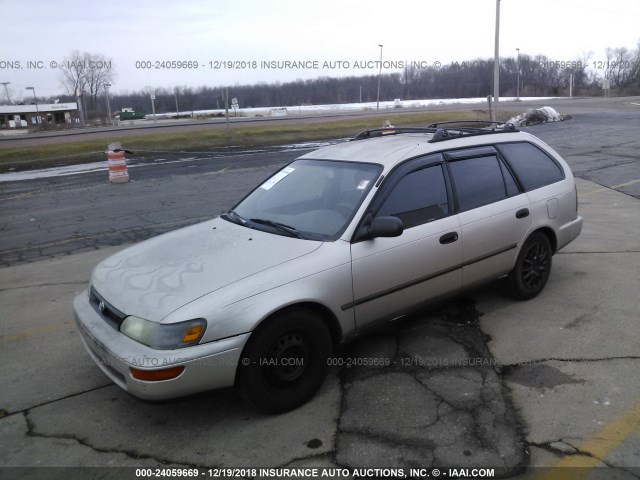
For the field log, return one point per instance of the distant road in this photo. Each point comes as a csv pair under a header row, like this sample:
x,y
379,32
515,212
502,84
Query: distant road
x,y
571,106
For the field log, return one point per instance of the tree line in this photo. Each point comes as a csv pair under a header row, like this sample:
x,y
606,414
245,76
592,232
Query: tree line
x,y
538,76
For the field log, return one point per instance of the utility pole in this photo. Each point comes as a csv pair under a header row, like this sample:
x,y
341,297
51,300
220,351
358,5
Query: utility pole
x,y
571,86
226,105
379,76
496,67
106,91
518,76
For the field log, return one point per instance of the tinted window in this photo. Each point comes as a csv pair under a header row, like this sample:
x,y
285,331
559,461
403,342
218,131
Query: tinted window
x,y
532,166
418,198
478,182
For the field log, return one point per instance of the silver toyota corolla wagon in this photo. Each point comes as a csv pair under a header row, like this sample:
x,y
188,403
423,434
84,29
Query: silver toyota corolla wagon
x,y
340,240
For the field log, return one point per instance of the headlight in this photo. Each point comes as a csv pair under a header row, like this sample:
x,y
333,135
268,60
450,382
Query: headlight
x,y
164,337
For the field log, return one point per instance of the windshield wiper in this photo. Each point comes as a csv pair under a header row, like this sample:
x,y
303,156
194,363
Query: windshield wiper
x,y
232,216
291,231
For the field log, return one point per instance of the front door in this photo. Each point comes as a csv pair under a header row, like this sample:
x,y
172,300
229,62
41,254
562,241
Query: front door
x,y
393,275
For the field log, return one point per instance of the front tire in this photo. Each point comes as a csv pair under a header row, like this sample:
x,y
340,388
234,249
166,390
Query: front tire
x,y
532,268
284,362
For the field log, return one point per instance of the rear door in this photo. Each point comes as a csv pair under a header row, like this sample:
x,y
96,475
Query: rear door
x,y
494,213
393,275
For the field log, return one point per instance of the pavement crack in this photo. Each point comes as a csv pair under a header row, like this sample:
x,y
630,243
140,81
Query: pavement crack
x,y
569,360
564,448
328,455
24,410
81,441
553,446
388,439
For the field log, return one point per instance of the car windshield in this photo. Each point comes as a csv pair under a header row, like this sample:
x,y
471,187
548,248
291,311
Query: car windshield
x,y
310,199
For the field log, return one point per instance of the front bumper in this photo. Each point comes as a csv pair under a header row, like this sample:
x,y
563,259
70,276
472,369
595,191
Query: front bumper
x,y
206,367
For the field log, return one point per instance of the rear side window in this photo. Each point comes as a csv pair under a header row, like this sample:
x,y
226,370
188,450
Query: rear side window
x,y
478,182
532,166
420,197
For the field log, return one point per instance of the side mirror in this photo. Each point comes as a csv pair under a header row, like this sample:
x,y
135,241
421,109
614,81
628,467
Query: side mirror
x,y
385,227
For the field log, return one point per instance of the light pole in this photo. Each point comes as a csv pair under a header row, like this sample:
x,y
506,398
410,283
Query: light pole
x,y
175,94
36,101
518,77
379,76
106,91
496,66
6,91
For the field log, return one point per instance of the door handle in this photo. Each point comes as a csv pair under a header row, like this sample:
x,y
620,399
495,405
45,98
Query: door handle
x,y
449,238
522,213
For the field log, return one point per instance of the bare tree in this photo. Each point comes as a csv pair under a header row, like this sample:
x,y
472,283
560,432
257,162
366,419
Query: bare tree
x,y
72,73
86,73
621,66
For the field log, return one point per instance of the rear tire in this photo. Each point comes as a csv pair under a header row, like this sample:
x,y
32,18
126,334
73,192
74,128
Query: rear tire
x,y
532,268
284,362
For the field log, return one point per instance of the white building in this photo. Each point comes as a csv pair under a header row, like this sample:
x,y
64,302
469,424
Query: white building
x,y
23,116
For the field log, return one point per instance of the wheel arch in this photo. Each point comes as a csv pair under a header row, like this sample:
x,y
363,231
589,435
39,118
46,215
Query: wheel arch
x,y
551,235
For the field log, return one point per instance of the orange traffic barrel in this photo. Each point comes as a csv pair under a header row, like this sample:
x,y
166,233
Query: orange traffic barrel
x,y
388,128
118,172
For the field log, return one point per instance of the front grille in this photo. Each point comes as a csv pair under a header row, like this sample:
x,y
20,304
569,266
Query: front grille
x,y
108,312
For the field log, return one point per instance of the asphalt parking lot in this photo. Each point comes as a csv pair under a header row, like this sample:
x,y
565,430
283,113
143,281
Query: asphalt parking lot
x,y
480,381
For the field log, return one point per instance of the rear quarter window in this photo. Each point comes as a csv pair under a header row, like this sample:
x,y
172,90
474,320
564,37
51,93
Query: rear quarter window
x,y
533,167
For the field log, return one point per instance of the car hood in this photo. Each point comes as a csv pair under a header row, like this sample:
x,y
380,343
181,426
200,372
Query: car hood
x,y
155,277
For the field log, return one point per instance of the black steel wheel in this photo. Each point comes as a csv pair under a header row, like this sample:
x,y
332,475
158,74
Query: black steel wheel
x,y
532,269
284,362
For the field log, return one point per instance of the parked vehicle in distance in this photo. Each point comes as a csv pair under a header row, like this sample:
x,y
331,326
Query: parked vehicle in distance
x,y
341,240
129,114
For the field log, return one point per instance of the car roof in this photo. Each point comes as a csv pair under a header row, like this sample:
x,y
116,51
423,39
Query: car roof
x,y
389,150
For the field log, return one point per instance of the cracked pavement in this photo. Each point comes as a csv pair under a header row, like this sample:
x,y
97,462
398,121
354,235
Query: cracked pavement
x,y
478,381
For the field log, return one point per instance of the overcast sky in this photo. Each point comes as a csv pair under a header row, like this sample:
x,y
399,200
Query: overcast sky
x,y
250,32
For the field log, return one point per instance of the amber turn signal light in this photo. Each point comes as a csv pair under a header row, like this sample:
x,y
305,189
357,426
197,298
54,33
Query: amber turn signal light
x,y
192,334
156,375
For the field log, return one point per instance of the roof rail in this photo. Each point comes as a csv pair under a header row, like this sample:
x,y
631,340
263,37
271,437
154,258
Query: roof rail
x,y
470,124
378,132
443,130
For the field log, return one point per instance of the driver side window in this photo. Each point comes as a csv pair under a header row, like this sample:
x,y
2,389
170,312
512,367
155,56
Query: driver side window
x,y
419,197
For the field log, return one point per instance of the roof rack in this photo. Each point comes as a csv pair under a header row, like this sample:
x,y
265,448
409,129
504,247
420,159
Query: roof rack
x,y
470,123
444,130
378,132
